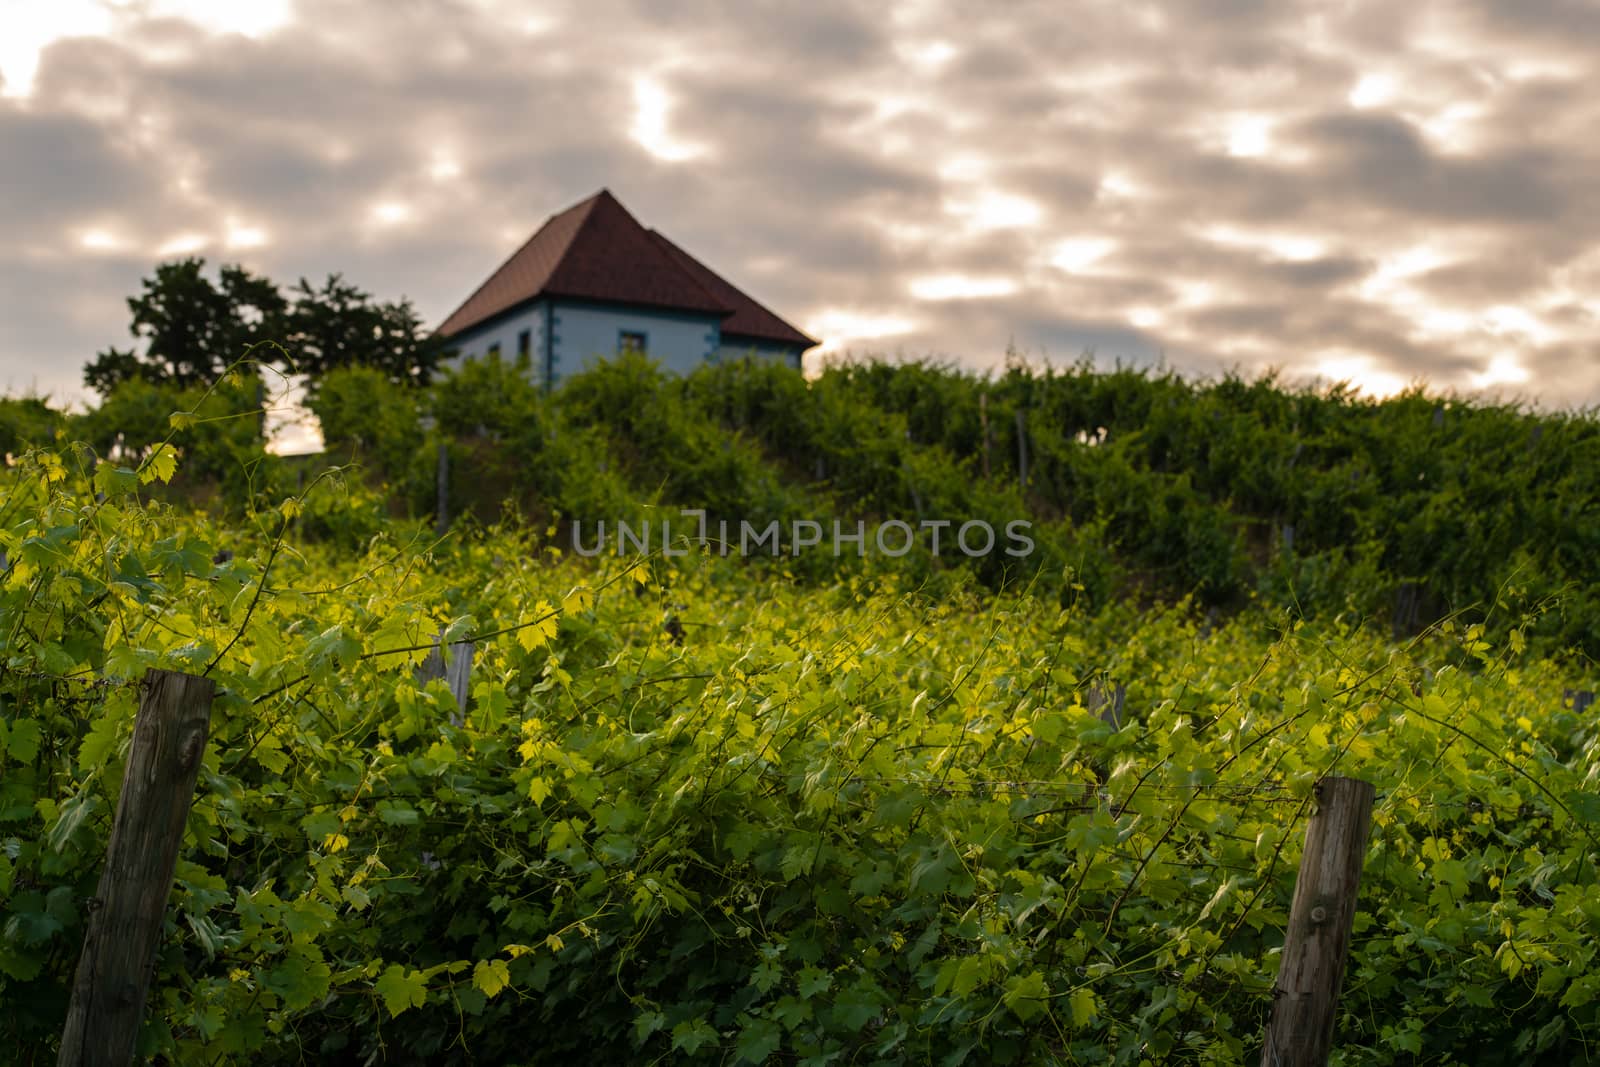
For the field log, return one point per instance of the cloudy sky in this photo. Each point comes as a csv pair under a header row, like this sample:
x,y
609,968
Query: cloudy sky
x,y
1360,190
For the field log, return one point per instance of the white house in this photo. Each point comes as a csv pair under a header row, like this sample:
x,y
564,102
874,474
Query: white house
x,y
593,282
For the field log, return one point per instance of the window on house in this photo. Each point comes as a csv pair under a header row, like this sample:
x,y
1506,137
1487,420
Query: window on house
x,y
632,341
524,348
494,350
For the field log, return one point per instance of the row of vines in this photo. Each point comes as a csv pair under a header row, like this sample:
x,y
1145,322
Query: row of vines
x,y
1149,484
698,811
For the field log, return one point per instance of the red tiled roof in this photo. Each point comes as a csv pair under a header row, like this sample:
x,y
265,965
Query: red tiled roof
x,y
749,319
597,251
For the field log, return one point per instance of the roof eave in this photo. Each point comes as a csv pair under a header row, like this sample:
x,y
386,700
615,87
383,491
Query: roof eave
x,y
801,340
556,294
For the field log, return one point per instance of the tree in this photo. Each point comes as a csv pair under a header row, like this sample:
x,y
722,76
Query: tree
x,y
339,325
193,329
26,421
220,440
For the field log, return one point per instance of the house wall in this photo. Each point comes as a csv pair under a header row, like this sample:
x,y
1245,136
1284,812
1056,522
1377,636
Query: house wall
x,y
475,343
733,348
679,341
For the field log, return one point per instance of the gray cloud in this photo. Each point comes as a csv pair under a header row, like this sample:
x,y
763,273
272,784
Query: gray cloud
x,y
1564,24
1488,281
1386,160
1198,179
55,172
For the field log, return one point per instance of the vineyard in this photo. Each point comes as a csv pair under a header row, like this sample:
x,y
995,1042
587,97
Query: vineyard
x,y
710,810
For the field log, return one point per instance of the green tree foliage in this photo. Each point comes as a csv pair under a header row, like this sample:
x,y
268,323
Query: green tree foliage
x,y
192,328
215,428
362,411
338,325
28,421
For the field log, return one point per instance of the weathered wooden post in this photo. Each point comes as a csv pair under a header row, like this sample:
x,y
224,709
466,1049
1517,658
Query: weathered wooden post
x,y
1306,997
983,420
124,929
1022,450
1410,604
442,510
454,665
1106,702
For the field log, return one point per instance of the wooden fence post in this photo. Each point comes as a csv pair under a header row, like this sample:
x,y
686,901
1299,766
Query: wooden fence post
x,y
983,419
441,521
125,918
1106,702
1022,450
1306,996
1407,609
454,665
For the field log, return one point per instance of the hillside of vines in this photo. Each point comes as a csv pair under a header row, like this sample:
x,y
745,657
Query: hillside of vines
x,y
1143,486
709,810
810,807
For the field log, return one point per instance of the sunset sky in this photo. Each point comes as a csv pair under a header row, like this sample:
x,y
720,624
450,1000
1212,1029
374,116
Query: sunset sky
x,y
1358,190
